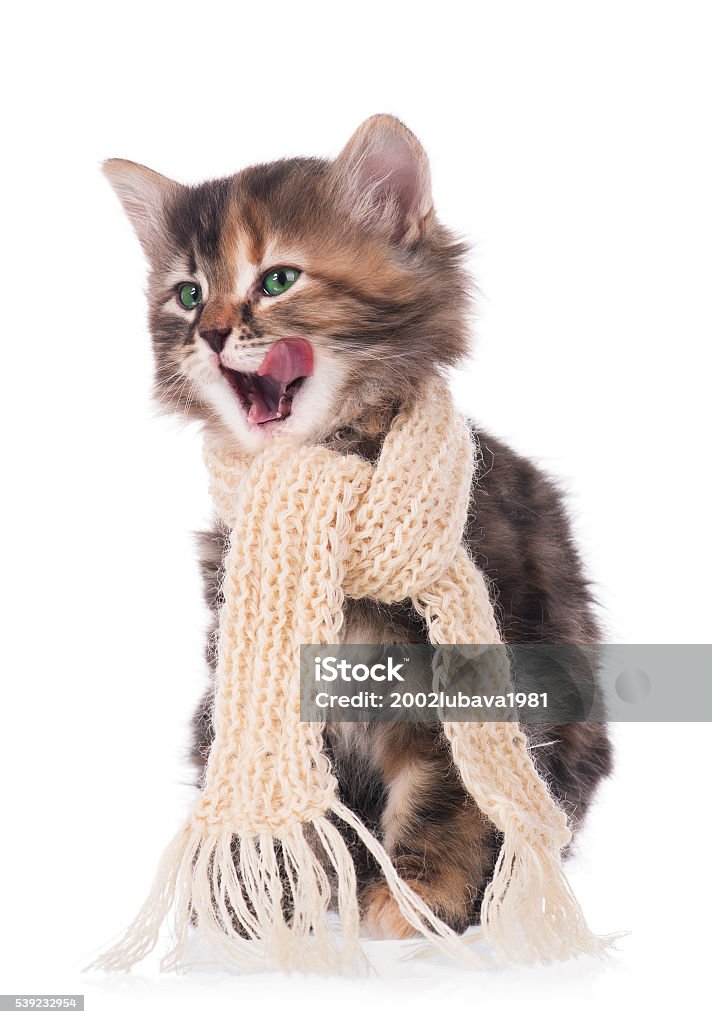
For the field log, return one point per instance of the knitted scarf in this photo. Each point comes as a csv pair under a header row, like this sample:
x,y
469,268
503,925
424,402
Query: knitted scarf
x,y
255,867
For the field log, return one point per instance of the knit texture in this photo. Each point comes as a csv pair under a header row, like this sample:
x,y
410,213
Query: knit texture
x,y
255,866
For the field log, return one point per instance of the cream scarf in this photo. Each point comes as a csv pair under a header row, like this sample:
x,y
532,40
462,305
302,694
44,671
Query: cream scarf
x,y
309,527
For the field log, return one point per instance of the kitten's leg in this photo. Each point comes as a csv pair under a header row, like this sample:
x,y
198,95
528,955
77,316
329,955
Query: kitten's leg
x,y
437,838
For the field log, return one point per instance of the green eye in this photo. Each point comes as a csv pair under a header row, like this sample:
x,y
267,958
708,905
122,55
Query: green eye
x,y
190,295
279,280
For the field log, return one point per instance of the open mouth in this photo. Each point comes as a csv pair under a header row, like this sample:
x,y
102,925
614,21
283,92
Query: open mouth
x,y
267,394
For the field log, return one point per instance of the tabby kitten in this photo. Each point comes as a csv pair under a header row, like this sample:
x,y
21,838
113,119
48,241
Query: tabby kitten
x,y
311,298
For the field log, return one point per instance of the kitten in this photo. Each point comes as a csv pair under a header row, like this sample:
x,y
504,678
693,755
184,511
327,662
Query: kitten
x,y
311,299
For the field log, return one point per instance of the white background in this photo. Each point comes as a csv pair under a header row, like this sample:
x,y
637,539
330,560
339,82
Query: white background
x,y
570,142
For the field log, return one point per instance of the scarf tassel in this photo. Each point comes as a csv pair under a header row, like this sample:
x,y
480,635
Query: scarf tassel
x,y
235,890
529,912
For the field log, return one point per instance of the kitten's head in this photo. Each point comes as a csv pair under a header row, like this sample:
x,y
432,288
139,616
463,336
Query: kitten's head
x,y
304,298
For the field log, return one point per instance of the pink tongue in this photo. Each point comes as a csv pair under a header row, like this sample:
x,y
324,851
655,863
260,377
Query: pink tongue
x,y
288,359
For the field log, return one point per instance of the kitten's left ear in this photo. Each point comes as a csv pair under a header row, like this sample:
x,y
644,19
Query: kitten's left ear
x,y
383,176
144,195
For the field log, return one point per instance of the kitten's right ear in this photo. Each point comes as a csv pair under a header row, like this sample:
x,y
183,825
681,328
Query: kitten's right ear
x,y
383,178
144,195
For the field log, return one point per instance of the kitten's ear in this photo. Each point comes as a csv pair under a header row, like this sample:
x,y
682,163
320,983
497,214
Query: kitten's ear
x,y
144,195
384,177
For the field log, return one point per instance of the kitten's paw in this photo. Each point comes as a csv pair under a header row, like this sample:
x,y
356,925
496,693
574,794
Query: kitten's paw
x,y
382,918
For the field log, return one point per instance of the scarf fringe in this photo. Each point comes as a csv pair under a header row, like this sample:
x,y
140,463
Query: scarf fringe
x,y
414,909
235,891
263,901
256,900
142,934
529,912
